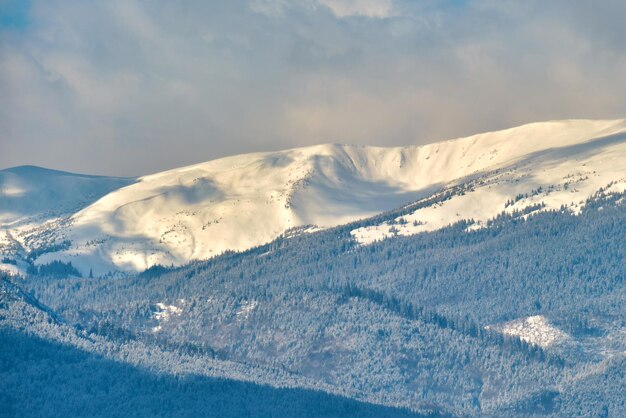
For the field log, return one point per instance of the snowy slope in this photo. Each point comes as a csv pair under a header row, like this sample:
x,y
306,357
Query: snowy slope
x,y
547,166
235,203
34,201
29,191
238,202
533,329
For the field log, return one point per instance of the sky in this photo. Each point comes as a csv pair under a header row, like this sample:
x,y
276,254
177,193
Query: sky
x,y
132,87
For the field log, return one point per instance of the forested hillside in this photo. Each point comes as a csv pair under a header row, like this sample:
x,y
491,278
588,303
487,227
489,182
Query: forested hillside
x,y
49,369
523,317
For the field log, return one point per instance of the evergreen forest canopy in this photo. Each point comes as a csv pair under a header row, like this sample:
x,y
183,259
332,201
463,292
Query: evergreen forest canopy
x,y
316,324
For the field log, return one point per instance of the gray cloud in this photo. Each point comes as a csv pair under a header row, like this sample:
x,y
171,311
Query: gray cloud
x,y
132,87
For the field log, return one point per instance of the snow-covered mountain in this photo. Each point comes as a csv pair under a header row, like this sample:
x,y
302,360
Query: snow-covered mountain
x,y
31,194
238,202
543,166
35,201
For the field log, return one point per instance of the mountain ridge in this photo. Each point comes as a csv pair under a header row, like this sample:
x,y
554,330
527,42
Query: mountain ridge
x,y
238,202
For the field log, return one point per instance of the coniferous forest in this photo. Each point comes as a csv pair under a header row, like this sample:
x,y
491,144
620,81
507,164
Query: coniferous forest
x,y
315,325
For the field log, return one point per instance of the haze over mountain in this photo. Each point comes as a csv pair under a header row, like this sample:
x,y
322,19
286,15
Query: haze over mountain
x,y
120,224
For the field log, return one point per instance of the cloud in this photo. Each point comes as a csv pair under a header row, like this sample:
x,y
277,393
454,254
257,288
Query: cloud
x,y
131,87
369,8
378,9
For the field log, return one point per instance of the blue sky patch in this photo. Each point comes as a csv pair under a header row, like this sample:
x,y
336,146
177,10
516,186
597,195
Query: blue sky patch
x,y
14,14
